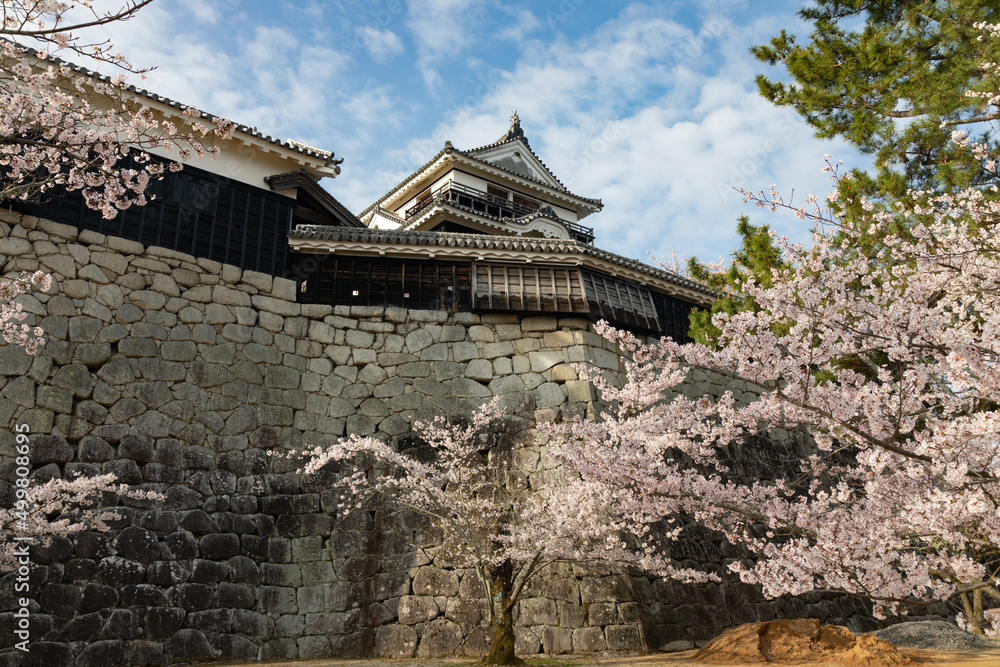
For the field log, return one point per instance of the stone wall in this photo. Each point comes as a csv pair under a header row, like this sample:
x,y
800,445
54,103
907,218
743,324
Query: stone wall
x,y
177,374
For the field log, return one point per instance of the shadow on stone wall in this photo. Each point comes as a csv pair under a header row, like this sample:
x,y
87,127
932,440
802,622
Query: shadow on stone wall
x,y
178,374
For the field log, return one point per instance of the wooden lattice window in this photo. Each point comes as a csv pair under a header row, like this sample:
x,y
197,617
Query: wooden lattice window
x,y
621,302
521,288
675,317
360,281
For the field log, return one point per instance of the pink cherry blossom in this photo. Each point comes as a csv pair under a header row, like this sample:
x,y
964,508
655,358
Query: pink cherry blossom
x,y
888,360
492,517
60,127
74,503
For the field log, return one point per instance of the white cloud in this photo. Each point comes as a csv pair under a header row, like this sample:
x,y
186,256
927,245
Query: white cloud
x,y
208,13
375,106
270,45
525,23
660,133
382,45
442,29
267,76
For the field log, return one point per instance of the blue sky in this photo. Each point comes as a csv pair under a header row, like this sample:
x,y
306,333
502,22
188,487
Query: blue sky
x,y
651,107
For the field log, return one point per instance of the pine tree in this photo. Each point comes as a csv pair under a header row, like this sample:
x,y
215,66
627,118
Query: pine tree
x,y
757,256
894,86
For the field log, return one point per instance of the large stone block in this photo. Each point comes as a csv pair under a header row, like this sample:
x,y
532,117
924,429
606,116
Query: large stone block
x,y
121,624
602,613
549,395
563,588
14,360
543,360
538,611
623,638
467,613
219,546
440,638
92,355
414,609
138,544
390,585
395,641
189,645
281,377
557,640
481,334
15,246
589,640
543,323
435,581
467,388
61,264
278,600
61,600
179,350
526,641
146,300
163,622
276,306
615,588
118,571
49,449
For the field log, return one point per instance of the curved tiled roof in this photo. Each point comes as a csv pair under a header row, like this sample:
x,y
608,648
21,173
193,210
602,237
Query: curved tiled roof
x,y
486,219
544,212
515,133
290,144
470,154
486,242
386,213
395,188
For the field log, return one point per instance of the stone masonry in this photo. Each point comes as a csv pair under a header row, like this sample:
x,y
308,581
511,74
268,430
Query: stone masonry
x,y
178,374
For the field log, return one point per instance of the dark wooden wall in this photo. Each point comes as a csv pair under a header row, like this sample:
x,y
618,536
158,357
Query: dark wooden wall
x,y
195,212
489,287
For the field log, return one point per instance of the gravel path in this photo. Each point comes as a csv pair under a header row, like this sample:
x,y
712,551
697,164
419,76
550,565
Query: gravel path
x,y
942,644
939,635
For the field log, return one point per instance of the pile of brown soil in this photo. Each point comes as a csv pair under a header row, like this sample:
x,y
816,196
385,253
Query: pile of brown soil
x,y
797,641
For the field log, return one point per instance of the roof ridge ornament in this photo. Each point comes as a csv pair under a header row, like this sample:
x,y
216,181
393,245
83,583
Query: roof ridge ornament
x,y
515,131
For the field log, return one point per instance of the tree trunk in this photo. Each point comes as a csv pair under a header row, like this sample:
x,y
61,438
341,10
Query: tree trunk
x,y
977,612
501,586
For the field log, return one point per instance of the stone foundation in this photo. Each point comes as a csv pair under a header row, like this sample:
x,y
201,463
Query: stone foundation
x,y
178,374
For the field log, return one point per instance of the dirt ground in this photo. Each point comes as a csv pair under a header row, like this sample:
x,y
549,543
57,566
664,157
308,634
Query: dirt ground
x,y
923,657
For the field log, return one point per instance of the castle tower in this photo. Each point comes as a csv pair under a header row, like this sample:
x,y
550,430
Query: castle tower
x,y
502,188
489,229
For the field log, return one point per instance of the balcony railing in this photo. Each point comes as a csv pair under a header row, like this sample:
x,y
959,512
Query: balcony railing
x,y
489,205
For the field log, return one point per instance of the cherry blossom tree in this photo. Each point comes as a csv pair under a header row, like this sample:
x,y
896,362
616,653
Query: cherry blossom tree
x,y
57,507
62,127
12,317
887,356
491,518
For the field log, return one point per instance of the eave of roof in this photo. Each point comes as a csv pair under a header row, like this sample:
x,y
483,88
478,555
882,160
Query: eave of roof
x,y
396,188
295,146
302,180
515,133
389,215
305,234
492,221
524,140
594,204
